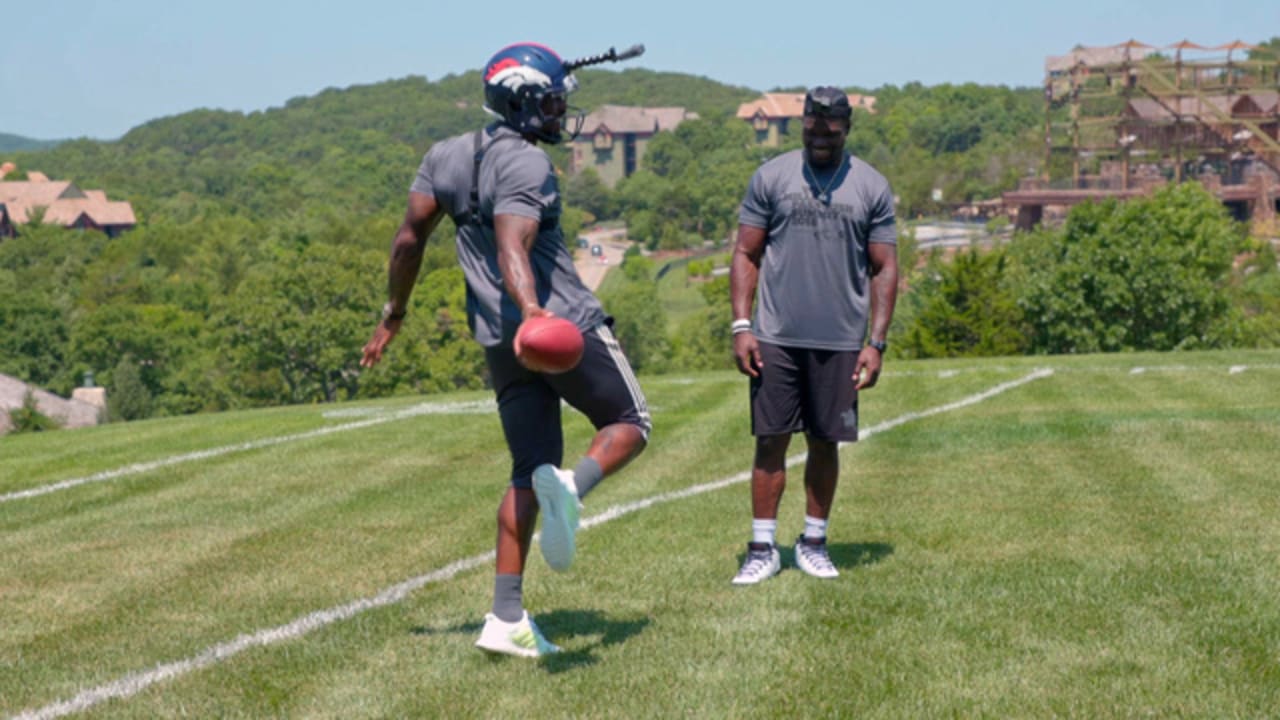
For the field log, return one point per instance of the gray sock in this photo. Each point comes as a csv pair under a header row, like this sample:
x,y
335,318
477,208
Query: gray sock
x,y
508,597
586,476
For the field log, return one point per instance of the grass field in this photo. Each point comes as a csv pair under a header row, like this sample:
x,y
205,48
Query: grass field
x,y
681,296
1096,541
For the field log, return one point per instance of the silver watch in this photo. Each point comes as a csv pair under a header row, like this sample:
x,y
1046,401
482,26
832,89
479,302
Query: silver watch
x,y
387,313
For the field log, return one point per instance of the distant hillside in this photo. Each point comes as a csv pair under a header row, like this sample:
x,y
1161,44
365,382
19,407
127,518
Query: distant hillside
x,y
353,151
15,143
415,111
353,148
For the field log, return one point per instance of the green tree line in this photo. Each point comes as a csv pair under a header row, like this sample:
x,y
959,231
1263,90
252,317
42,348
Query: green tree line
x,y
257,269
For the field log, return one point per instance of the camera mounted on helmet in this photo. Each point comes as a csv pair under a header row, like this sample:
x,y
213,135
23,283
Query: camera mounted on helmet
x,y
527,86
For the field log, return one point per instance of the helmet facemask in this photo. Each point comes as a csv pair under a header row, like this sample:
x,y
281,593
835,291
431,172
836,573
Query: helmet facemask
x,y
551,109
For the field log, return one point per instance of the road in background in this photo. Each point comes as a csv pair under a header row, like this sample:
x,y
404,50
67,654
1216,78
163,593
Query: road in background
x,y
592,268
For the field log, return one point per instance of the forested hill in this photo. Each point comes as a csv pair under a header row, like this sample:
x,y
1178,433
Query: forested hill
x,y
353,148
258,267
416,111
258,264
13,143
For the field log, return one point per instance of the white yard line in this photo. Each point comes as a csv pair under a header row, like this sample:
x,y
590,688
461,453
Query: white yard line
x,y
945,373
481,406
134,683
126,471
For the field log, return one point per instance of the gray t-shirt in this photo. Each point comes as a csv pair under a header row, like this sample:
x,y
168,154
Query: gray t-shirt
x,y
516,178
814,286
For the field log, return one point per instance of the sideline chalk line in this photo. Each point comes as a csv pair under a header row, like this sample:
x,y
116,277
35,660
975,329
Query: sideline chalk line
x,y
485,406
136,682
138,468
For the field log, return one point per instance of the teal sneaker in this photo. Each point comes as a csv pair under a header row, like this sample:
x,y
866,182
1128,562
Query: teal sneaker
x,y
522,638
558,498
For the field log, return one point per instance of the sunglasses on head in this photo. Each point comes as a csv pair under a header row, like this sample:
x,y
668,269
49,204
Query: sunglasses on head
x,y
832,123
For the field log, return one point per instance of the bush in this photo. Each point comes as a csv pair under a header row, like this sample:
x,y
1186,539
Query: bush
x,y
130,398
28,419
964,308
1146,274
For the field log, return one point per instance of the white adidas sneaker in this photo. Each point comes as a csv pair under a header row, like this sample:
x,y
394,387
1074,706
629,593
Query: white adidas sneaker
x,y
522,638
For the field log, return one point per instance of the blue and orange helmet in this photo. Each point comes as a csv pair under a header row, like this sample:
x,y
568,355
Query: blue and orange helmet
x,y
527,86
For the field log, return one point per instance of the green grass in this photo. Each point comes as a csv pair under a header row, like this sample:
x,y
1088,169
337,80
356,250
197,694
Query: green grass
x,y
681,295
1097,543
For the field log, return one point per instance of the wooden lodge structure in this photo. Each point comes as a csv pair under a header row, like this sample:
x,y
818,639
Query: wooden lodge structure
x,y
1124,119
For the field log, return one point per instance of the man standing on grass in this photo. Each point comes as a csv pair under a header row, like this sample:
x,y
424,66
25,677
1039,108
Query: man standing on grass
x,y
816,237
501,191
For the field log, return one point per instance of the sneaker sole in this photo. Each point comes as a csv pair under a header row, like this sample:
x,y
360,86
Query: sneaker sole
x,y
512,650
757,581
820,576
558,542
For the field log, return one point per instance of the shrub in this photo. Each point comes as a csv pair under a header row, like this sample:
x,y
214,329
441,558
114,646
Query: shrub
x,y
28,419
130,398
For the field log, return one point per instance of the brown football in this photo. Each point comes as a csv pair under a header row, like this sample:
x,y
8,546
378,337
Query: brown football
x,y
548,345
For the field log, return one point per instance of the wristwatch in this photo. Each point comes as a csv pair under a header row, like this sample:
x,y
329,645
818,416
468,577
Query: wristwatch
x,y
880,345
387,313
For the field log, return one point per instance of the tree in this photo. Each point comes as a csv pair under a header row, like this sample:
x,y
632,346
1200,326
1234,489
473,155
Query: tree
x,y
1257,296
587,192
640,323
571,221
1147,274
435,351
703,340
297,327
33,345
129,397
166,342
964,309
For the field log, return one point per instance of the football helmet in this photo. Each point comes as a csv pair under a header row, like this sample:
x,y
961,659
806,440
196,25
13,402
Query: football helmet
x,y
527,86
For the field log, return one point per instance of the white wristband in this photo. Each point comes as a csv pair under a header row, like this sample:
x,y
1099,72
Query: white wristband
x,y
740,325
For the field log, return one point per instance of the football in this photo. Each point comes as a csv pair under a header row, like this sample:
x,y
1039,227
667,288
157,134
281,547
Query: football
x,y
548,345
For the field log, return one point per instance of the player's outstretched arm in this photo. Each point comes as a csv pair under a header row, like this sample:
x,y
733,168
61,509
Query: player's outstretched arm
x,y
420,218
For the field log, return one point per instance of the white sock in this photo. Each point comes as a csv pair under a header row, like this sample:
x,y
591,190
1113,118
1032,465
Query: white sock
x,y
815,528
763,531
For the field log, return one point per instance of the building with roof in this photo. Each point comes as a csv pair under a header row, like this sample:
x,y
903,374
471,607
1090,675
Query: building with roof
x,y
59,202
614,138
1127,118
771,115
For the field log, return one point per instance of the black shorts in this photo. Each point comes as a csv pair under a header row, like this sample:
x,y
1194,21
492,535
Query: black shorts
x,y
804,390
603,387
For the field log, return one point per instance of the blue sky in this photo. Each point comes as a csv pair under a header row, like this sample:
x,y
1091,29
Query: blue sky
x,y
73,68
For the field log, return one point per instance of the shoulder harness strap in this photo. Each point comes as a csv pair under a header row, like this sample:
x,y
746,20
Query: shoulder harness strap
x,y
479,149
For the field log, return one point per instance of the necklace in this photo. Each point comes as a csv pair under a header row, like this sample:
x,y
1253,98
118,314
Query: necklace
x,y
824,194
